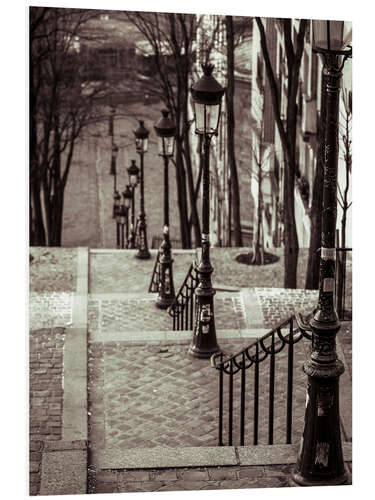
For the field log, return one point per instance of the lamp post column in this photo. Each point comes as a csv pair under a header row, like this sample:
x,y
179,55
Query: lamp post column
x,y
166,293
204,342
320,460
132,216
143,252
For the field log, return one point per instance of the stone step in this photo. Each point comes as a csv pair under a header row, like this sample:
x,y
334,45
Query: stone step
x,y
204,456
141,337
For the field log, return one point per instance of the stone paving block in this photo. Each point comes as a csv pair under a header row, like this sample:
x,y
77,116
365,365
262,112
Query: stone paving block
x,y
64,473
164,457
50,309
53,269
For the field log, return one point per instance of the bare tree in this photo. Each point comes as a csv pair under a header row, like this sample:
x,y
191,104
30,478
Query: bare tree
x,y
287,134
171,38
235,194
345,135
59,111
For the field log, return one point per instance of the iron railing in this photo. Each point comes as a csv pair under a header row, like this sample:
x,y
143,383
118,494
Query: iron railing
x,y
156,274
245,396
343,284
183,307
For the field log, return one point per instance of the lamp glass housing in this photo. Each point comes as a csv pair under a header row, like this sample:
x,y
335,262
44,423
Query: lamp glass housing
x,y
133,180
141,145
166,146
328,35
207,118
127,202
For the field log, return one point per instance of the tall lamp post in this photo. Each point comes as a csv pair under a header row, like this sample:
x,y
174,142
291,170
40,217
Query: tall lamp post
x,y
116,213
114,173
127,199
320,461
166,131
133,172
141,144
207,94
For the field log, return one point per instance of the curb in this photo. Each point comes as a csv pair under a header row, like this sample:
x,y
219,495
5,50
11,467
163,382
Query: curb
x,y
64,463
136,337
204,456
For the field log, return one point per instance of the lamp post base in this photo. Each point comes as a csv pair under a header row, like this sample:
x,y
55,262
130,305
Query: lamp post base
x,y
143,254
298,480
163,302
204,343
203,352
166,293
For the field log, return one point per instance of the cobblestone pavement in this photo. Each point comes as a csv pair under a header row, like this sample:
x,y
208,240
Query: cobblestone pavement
x,y
45,395
50,309
157,395
53,269
120,272
190,479
279,303
141,314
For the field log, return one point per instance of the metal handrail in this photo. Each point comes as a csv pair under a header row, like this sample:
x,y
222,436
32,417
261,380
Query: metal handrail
x,y
155,278
183,307
266,347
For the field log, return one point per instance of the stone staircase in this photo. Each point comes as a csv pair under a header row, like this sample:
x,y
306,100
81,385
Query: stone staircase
x,y
148,411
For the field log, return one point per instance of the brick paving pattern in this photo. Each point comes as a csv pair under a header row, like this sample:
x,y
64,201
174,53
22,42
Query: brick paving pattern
x,y
53,269
50,309
45,395
141,314
120,272
279,303
190,479
187,479
157,395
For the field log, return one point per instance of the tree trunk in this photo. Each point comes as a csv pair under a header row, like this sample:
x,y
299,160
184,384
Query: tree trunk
x,y
39,235
231,133
182,200
258,251
291,248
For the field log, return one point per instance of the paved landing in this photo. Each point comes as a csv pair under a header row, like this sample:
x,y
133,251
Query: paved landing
x,y
157,395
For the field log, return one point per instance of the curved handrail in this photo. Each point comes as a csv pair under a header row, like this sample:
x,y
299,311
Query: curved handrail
x,y
177,306
234,361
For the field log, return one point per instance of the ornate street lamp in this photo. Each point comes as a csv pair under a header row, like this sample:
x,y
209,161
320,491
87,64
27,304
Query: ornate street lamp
x,y
141,144
127,197
114,172
320,460
207,94
122,219
133,172
166,131
116,210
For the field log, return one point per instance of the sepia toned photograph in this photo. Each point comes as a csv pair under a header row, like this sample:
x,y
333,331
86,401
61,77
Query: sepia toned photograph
x,y
190,251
